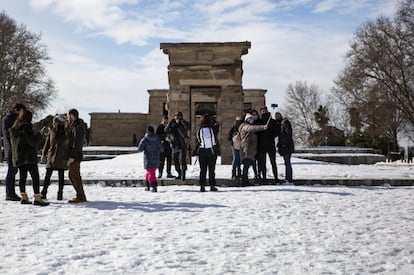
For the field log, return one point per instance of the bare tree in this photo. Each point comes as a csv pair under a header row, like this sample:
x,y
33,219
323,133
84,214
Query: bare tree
x,y
379,74
23,76
302,101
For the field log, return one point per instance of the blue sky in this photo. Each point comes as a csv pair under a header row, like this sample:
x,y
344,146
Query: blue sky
x,y
105,53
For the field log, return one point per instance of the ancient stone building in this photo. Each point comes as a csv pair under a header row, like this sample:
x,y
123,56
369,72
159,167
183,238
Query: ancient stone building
x,y
203,77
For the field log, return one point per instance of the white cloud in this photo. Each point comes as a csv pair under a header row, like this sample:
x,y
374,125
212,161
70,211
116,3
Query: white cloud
x,y
281,53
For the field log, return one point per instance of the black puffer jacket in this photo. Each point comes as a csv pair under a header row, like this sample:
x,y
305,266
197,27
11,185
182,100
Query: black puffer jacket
x,y
285,144
266,138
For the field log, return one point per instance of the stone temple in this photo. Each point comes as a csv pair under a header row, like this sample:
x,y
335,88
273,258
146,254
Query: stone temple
x,y
203,77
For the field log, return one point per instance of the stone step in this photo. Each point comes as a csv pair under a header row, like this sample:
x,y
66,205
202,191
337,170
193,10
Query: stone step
x,y
232,183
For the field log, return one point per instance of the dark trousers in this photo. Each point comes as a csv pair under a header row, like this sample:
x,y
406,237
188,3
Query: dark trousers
x,y
246,164
207,159
166,155
34,174
180,160
10,177
261,163
61,175
288,167
76,179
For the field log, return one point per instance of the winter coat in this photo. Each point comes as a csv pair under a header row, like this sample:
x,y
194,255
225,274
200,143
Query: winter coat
x,y
285,144
151,145
7,123
178,133
76,137
24,144
160,131
234,128
266,139
55,150
248,147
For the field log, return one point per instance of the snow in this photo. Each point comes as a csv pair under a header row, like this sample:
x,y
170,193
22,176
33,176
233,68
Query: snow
x,y
258,229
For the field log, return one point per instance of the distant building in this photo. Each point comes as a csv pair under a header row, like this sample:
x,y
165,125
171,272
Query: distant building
x,y
203,77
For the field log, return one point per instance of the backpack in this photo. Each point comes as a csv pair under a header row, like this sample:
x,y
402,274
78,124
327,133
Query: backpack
x,y
237,140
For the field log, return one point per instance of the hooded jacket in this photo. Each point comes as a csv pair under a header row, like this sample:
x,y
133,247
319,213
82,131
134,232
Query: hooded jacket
x,y
151,145
55,150
24,144
248,147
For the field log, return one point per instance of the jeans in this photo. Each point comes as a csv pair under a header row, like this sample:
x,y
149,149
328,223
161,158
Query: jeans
x,y
10,177
288,167
236,159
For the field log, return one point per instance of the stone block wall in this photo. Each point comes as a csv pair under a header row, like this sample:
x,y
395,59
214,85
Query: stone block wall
x,y
116,129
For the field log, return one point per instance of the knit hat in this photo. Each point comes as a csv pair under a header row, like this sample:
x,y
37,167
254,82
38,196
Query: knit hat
x,y
248,116
59,119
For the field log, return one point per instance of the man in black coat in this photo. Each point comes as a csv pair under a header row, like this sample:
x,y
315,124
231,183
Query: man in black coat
x,y
178,129
266,145
285,145
76,137
7,123
167,154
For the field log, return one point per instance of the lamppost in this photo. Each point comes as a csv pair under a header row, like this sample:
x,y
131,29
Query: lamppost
x,y
388,144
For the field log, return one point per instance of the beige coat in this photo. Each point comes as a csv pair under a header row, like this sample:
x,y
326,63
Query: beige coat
x,y
248,147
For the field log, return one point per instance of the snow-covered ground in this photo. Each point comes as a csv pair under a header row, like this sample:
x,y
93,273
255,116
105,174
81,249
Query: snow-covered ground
x,y
252,230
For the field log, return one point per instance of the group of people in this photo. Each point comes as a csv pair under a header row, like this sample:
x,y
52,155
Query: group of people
x,y
62,151
256,140
256,132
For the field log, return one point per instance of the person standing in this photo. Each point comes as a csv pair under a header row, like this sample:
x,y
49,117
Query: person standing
x,y
235,149
7,123
266,145
76,135
248,147
166,155
55,155
207,152
24,144
285,145
256,117
151,145
178,130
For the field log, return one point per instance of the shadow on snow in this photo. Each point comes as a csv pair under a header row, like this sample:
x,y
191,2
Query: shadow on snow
x,y
149,207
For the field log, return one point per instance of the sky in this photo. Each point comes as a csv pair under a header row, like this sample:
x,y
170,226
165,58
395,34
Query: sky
x,y
105,54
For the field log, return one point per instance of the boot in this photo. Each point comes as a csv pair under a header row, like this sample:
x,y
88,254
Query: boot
x,y
154,187
245,182
44,193
202,188
38,200
183,176
147,186
25,199
239,173
233,174
213,188
159,173
60,195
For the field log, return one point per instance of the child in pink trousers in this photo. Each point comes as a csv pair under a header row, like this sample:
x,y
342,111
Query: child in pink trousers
x,y
151,145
